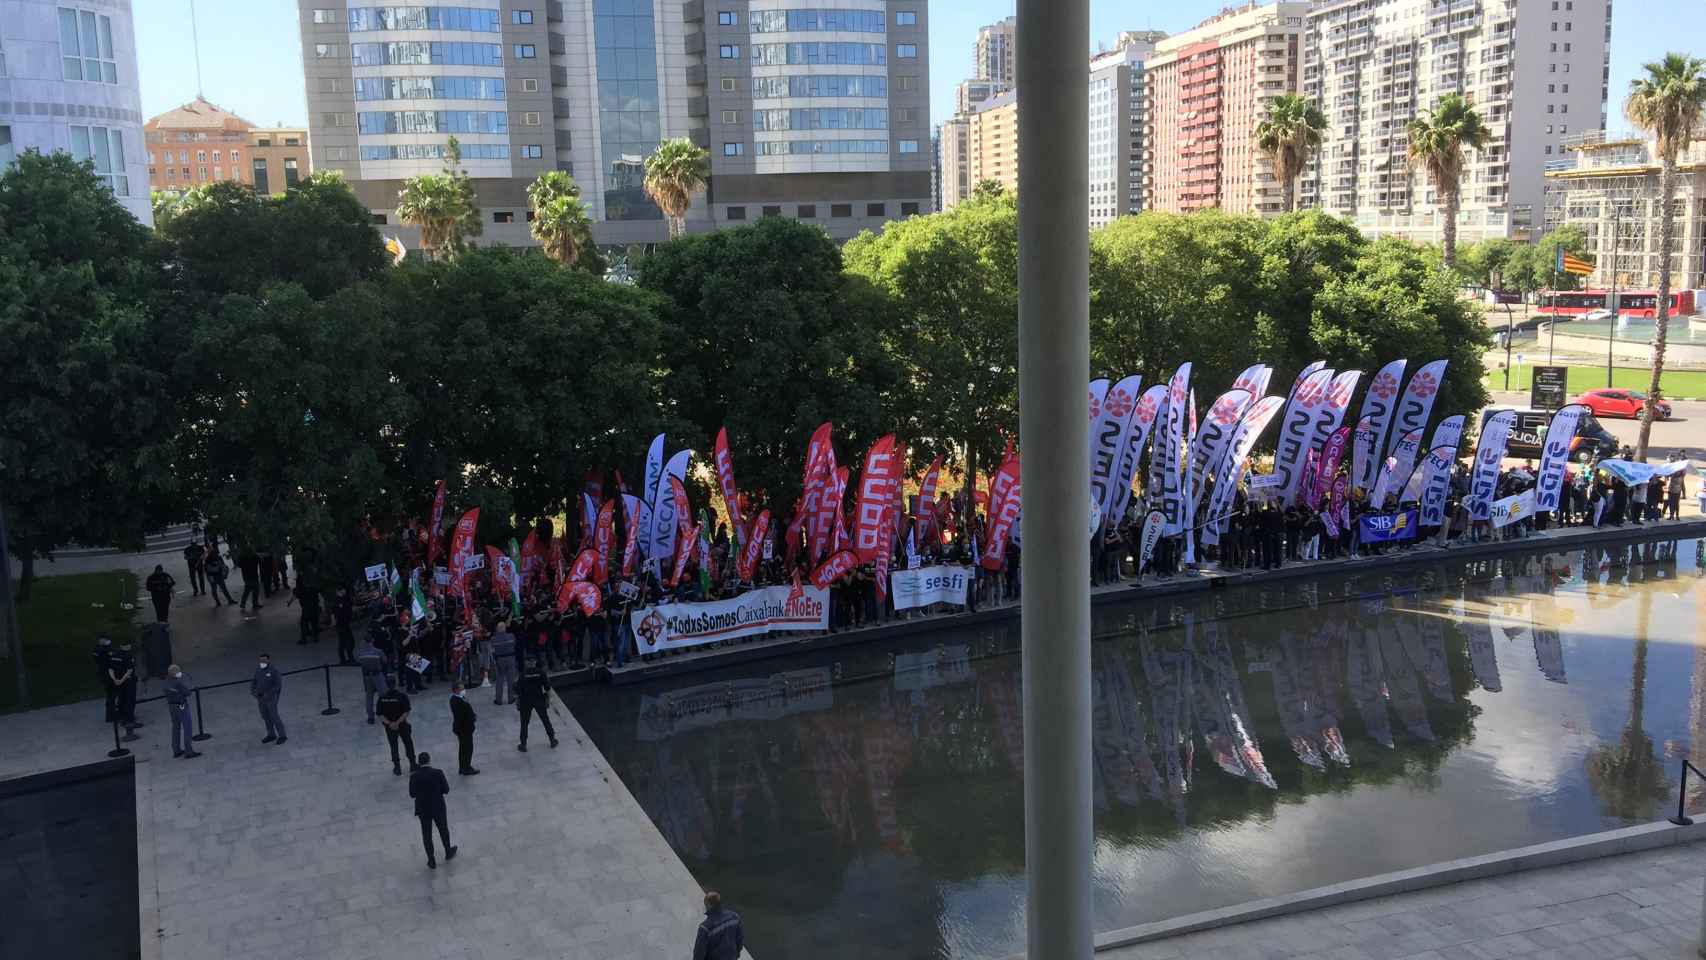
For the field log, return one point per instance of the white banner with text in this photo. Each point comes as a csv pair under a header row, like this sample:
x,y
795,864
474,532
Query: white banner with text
x,y
676,626
927,585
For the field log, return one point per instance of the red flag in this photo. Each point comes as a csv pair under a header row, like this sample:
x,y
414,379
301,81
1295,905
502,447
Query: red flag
x,y
461,546
839,498
532,557
814,485
833,569
725,463
792,550
884,552
606,535
582,593
1004,509
877,485
927,521
631,542
436,525
748,563
499,587
586,562
684,547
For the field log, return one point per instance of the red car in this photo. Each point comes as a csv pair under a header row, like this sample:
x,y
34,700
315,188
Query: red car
x,y
1616,402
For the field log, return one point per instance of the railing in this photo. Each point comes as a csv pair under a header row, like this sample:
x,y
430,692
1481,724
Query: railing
x,y
1682,819
201,734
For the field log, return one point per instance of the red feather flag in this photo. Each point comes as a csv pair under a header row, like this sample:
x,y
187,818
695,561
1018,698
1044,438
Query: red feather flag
x,y
748,563
833,569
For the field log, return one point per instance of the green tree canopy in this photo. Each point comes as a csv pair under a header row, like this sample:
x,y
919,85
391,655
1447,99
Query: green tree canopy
x,y
443,206
675,172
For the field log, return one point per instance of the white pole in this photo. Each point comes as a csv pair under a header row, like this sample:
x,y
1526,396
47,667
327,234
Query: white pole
x,y
1054,367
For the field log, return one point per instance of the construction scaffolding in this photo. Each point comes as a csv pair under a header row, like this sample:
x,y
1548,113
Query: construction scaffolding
x,y
1609,189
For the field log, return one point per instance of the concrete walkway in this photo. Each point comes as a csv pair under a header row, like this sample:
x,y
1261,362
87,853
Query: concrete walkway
x,y
311,849
1637,906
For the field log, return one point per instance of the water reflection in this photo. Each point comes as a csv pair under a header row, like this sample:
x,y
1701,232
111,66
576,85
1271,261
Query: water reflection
x,y
866,802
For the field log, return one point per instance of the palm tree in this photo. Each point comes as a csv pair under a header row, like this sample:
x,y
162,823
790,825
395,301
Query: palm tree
x,y
1667,103
1288,135
1436,144
560,221
1626,775
674,173
442,205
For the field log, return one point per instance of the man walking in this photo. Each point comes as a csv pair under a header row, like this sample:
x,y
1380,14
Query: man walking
x,y
428,787
720,936
103,661
250,565
462,724
266,687
343,614
394,709
372,664
159,585
535,696
216,570
193,556
178,692
503,664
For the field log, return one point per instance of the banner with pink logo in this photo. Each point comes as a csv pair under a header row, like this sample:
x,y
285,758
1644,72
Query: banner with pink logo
x,y
1255,420
1254,379
1332,455
1297,433
1489,455
1373,419
1418,401
1331,413
1208,448
1131,448
1171,447
1107,433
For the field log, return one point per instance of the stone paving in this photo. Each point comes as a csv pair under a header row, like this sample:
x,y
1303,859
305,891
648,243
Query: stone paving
x,y
1637,906
312,850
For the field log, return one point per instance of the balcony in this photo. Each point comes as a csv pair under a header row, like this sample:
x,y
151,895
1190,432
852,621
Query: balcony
x,y
554,11
698,106
696,75
693,11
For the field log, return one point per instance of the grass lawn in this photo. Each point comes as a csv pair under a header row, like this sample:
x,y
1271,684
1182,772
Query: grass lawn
x,y
59,624
1677,383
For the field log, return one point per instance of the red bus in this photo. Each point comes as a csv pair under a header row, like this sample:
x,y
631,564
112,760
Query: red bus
x,y
1630,303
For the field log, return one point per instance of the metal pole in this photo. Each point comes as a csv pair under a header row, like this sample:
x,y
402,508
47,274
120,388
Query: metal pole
x,y
200,720
118,749
1681,819
1611,301
9,608
330,710
1054,366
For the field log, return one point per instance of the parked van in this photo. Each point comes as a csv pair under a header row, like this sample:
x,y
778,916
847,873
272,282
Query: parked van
x,y
1528,433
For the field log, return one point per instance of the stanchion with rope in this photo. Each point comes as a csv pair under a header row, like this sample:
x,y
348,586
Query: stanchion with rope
x,y
118,749
330,710
200,720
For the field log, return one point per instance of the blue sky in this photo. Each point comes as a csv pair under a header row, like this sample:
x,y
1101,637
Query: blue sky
x,y
252,54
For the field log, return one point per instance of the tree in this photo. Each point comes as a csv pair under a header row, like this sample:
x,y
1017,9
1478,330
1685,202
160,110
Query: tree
x,y
988,190
444,206
90,404
951,280
1492,262
1288,135
765,334
676,171
1625,775
560,221
1536,266
1437,141
1668,103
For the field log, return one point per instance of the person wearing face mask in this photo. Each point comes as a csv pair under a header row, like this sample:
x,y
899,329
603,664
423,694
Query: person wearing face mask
x,y
265,688
462,725
177,691
535,690
394,711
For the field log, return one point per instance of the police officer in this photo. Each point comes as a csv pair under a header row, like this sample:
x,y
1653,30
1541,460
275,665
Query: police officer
x,y
720,936
121,673
178,691
159,585
343,614
103,660
394,709
372,663
265,687
535,690
503,664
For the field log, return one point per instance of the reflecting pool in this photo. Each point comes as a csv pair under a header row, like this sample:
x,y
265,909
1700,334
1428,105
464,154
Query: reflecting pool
x,y
866,802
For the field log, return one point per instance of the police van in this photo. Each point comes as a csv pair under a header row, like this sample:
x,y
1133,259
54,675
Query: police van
x,y
1527,436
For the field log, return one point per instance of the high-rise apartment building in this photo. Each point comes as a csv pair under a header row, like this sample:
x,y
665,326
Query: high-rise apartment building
x,y
993,55
1536,70
68,82
1608,187
809,111
954,171
1117,127
992,143
200,143
970,93
1204,92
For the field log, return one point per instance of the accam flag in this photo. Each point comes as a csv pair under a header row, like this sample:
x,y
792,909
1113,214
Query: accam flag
x,y
1172,471
667,511
1004,507
435,526
1374,417
1436,484
747,565
1489,455
1131,448
1208,446
1418,400
654,473
461,545
1555,454
1106,430
878,482
1297,433
725,464
1249,430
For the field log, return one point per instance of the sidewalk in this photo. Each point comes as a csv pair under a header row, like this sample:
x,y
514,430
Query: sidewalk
x,y
311,849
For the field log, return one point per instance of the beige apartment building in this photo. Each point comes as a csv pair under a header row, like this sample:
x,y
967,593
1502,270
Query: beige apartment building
x,y
1204,92
1609,188
992,144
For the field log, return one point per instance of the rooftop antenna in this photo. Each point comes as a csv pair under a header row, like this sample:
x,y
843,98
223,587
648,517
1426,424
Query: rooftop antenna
x,y
195,40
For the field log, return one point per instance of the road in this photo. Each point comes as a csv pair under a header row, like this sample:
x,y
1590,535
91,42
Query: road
x,y
1685,431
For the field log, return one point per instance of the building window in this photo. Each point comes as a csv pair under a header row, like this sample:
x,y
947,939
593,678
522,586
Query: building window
x,y
325,51
323,15
530,119
726,18
731,116
219,173
1567,26
526,51
521,17
736,213
337,154
201,156
728,84
905,18
908,83
1549,150
503,216
772,211
874,210
841,209
909,146
909,208
906,51
532,151
905,115
86,47
292,176
734,148
529,85
331,85
806,211
380,219
337,120
729,51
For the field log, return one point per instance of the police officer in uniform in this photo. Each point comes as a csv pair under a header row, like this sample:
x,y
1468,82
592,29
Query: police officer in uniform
x,y
266,686
535,690
394,711
178,692
372,663
720,936
121,673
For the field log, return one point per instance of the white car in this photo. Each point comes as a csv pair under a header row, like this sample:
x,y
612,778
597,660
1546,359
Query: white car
x,y
1599,316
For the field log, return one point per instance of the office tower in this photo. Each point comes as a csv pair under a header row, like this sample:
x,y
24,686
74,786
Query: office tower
x,y
1116,127
992,143
992,56
68,82
201,142
1205,91
955,175
1537,71
970,93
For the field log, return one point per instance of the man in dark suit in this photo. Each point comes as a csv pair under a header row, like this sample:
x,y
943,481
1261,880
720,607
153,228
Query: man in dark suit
x,y
462,724
428,787
535,691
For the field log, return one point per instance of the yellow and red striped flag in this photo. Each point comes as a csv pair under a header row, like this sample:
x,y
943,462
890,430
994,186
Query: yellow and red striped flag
x,y
1573,265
